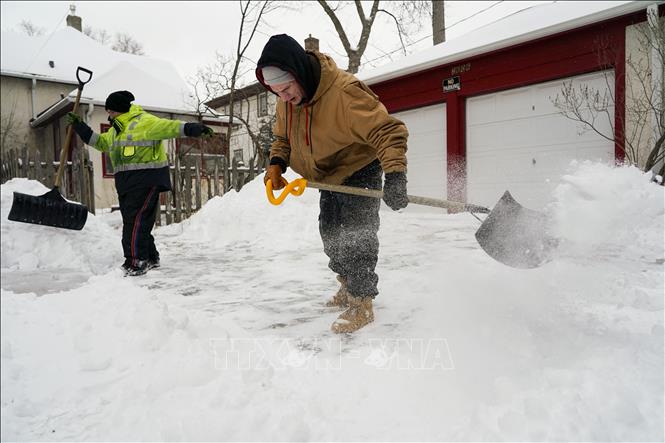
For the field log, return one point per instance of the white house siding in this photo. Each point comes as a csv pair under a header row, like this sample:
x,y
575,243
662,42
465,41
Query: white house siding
x,y
16,104
240,139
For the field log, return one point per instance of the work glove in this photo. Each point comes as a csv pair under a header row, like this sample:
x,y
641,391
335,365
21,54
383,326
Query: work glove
x,y
274,174
73,118
394,190
198,130
83,130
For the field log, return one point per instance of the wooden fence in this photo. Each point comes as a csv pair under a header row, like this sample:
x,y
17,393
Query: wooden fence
x,y
195,182
77,179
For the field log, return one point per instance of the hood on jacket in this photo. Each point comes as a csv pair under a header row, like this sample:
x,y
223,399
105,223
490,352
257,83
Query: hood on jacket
x,y
285,53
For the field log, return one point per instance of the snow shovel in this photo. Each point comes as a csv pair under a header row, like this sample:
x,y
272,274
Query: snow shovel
x,y
511,234
51,209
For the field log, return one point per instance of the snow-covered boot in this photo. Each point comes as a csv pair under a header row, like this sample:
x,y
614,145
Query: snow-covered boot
x,y
139,267
341,299
358,315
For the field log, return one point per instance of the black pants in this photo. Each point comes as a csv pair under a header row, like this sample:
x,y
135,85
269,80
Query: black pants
x,y
138,209
348,225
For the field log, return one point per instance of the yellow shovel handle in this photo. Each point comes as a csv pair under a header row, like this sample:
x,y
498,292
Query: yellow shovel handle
x,y
296,187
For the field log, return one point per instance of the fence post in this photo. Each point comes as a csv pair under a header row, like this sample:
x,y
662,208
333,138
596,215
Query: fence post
x,y
38,167
225,173
188,188
216,176
234,174
169,195
158,212
197,189
177,190
76,175
90,173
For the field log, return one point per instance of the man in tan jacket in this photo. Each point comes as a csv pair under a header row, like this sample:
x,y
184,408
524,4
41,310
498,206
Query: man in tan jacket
x,y
331,128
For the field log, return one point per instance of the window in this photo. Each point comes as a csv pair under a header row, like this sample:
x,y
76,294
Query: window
x,y
107,166
237,155
262,104
237,108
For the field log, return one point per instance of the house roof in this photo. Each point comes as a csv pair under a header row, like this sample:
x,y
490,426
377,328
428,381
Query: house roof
x,y
526,25
155,83
247,91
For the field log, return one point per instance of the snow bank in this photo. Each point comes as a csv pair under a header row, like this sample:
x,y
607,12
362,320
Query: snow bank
x,y
570,351
603,212
248,216
28,247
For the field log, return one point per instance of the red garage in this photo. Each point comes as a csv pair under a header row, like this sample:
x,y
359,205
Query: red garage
x,y
480,108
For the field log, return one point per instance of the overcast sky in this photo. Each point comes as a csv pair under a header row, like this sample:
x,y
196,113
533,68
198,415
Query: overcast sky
x,y
190,33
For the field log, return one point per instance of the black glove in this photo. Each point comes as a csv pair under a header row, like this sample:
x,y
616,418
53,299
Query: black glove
x,y
394,190
198,130
84,131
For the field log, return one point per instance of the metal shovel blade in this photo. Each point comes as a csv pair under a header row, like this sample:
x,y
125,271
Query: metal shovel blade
x,y
515,236
50,209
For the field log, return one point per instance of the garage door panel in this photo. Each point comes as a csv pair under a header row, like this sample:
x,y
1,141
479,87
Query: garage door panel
x,y
528,145
426,154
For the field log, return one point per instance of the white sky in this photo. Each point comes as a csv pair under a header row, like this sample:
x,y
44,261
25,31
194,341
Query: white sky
x,y
190,33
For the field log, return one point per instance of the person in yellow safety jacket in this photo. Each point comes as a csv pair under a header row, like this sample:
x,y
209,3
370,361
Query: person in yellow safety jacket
x,y
140,167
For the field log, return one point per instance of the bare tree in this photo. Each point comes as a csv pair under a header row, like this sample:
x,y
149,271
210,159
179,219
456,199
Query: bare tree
x,y
126,43
100,35
406,15
438,22
354,52
223,76
643,139
9,128
29,28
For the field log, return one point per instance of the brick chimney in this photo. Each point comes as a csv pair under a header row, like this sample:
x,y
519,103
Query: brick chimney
x,y
311,43
74,20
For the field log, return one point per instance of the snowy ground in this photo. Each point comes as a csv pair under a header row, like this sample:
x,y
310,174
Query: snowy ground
x,y
230,340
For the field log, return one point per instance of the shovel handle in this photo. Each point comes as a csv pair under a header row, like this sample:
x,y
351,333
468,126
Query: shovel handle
x,y
64,152
297,187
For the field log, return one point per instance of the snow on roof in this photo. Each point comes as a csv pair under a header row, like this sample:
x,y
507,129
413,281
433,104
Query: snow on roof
x,y
526,25
155,83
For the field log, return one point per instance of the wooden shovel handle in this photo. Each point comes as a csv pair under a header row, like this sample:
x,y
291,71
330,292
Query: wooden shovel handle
x,y
64,152
297,187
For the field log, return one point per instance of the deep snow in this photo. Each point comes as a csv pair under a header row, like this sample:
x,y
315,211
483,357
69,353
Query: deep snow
x,y
229,340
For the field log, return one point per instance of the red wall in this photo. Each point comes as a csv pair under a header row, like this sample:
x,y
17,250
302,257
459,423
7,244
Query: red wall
x,y
592,48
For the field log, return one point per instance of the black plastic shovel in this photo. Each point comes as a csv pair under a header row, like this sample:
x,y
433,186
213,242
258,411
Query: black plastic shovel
x,y
511,234
51,209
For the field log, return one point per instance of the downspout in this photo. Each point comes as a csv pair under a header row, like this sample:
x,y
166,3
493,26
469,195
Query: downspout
x,y
656,78
33,92
88,115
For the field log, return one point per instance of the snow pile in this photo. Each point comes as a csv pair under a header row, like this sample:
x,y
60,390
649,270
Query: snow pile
x,y
609,211
29,247
248,216
229,339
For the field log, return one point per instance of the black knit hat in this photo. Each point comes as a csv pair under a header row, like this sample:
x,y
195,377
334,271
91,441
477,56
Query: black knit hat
x,y
119,101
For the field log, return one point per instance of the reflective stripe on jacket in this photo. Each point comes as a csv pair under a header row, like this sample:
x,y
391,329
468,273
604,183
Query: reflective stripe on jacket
x,y
135,140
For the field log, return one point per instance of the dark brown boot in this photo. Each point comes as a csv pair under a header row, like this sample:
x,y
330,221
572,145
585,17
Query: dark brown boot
x,y
341,299
359,314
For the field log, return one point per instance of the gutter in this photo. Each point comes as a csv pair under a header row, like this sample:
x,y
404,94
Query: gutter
x,y
58,108
37,77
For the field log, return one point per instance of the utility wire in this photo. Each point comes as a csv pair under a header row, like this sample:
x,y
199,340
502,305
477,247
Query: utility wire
x,y
45,42
428,36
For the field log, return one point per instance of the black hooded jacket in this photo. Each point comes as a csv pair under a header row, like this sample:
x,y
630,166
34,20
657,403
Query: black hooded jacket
x,y
285,53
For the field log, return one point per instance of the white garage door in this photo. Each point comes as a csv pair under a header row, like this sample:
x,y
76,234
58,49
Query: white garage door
x,y
426,154
517,140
